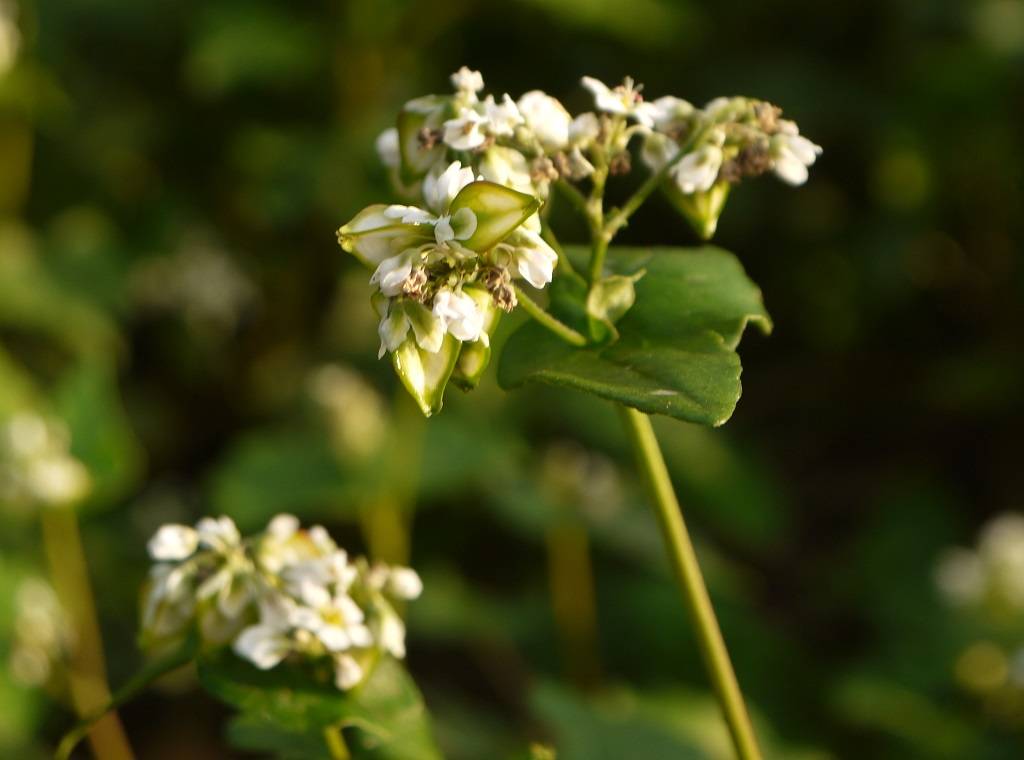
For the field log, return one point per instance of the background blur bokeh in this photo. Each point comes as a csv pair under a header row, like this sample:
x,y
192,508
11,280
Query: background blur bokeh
x,y
173,301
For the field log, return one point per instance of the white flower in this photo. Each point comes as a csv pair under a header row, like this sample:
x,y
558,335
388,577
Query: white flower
x,y
696,172
467,81
440,188
508,167
467,131
666,112
460,314
282,527
535,259
792,154
392,634
387,148
220,534
404,583
268,642
392,273
402,316
173,542
658,150
472,128
502,117
624,99
547,119
347,672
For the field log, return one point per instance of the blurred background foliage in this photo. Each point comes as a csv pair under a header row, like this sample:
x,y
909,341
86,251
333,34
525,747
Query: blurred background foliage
x,y
173,301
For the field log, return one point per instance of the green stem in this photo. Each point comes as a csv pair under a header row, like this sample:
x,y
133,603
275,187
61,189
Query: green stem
x,y
691,581
575,197
138,683
560,329
336,743
618,218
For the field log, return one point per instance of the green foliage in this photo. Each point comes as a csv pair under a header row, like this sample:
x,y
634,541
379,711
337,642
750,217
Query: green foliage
x,y
676,354
383,718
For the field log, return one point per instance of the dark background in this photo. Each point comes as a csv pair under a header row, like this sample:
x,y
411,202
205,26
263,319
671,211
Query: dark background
x,y
171,176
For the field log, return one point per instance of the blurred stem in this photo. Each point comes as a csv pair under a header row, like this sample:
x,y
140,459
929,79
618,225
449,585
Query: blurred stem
x,y
147,675
386,531
572,599
336,743
691,582
559,328
87,680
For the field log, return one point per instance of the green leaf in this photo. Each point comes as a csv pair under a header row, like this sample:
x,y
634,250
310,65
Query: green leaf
x,y
384,717
498,210
677,349
89,401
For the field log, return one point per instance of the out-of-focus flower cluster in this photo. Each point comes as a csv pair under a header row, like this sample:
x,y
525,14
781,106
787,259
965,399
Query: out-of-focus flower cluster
x,y
284,594
201,282
36,468
356,415
986,585
43,635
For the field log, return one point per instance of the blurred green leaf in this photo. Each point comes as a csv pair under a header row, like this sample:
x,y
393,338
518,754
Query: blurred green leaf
x,y
676,354
384,717
88,401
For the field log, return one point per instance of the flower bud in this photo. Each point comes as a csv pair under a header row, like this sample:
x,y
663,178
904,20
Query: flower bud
x,y
701,209
474,357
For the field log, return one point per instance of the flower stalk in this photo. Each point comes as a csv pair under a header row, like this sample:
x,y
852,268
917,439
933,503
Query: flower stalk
x,y
687,572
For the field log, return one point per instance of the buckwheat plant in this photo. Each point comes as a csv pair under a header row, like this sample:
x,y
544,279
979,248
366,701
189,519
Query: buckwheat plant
x,y
653,330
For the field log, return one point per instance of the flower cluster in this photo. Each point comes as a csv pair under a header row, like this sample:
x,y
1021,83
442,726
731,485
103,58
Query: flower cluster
x,y
43,633
36,468
286,593
986,586
478,169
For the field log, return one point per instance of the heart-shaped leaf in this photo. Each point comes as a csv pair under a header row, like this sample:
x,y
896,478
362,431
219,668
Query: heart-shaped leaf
x,y
676,354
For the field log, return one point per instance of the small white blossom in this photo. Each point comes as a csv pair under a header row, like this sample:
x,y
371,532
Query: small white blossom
x,y
440,189
547,119
624,99
535,260
173,542
696,172
460,315
792,154
465,80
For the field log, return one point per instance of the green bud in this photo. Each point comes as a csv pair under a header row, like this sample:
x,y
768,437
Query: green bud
x,y
498,210
425,374
701,210
609,299
373,236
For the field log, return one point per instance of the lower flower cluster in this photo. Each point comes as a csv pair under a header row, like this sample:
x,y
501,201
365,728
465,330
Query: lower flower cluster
x,y
285,594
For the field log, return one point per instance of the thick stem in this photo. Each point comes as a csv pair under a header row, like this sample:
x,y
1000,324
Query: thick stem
x,y
560,329
87,679
691,582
